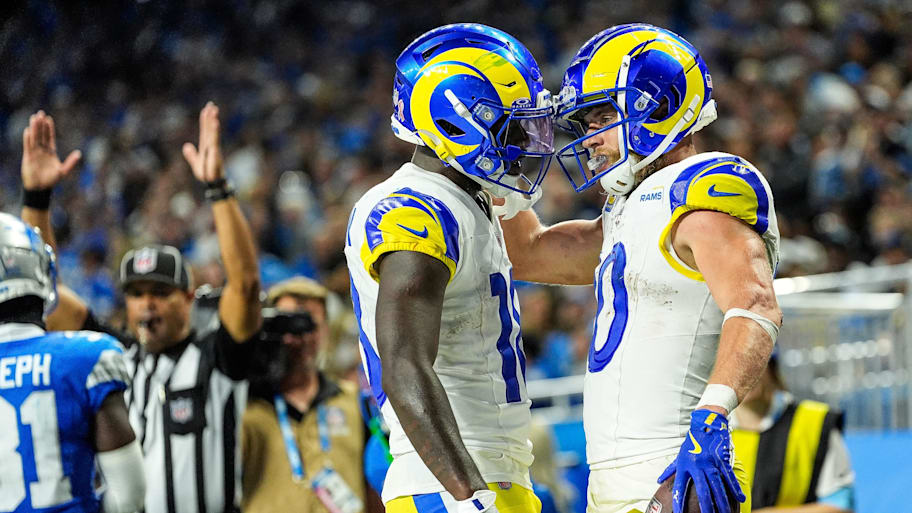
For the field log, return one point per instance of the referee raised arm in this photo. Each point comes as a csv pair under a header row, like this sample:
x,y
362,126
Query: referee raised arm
x,y
188,389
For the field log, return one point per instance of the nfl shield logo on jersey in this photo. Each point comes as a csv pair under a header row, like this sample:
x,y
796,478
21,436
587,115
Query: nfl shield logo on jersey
x,y
145,261
654,506
181,410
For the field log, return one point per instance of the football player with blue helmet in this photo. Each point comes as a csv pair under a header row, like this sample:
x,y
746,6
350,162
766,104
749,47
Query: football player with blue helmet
x,y
61,396
431,282
687,241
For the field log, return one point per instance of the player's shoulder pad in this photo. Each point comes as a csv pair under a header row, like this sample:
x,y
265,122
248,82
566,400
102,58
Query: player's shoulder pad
x,y
727,184
408,220
93,339
105,354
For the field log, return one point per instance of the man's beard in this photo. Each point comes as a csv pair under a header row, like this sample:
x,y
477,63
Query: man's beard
x,y
650,169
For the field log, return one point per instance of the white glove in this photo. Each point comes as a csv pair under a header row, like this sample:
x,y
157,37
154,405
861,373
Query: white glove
x,y
482,501
515,203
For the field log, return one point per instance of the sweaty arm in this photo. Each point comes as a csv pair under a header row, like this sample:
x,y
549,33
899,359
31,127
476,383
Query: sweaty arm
x,y
738,276
409,306
566,253
119,457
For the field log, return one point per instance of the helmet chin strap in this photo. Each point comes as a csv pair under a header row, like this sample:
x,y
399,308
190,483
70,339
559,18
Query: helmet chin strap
x,y
515,203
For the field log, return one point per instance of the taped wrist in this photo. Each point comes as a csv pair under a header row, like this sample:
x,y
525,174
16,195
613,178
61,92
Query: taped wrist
x,y
770,327
719,395
125,478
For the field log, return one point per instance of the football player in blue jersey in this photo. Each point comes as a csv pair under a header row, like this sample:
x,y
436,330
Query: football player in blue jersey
x,y
61,396
687,241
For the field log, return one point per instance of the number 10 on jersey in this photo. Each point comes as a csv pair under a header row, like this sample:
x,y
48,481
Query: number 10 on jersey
x,y
609,342
509,351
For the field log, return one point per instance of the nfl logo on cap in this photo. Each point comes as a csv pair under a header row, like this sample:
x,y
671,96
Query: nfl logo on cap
x,y
145,261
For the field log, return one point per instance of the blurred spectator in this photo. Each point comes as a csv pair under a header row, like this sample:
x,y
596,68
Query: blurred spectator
x,y
792,450
816,94
304,435
553,491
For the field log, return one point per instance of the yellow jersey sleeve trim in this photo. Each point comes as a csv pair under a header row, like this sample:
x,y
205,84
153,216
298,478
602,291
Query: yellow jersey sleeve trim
x,y
369,258
667,251
739,195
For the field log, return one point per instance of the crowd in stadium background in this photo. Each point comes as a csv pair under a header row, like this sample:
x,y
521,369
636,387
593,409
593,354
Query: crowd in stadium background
x,y
814,93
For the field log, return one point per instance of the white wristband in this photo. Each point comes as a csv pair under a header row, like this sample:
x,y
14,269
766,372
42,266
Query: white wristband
x,y
481,501
719,395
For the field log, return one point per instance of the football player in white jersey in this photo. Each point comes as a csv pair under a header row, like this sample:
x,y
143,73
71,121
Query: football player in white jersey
x,y
683,257
432,286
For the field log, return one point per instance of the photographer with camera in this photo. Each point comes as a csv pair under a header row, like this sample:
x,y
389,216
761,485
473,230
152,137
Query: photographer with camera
x,y
303,433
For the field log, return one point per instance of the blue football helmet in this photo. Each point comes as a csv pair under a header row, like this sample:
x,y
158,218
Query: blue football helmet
x,y
474,95
27,266
654,80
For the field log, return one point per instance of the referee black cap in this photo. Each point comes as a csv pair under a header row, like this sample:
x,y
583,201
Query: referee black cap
x,y
162,264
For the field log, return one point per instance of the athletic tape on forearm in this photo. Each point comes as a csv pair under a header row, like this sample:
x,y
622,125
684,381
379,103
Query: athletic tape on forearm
x,y
768,326
125,478
719,395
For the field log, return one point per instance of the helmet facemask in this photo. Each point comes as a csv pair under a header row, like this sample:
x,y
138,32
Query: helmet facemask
x,y
474,96
657,83
517,143
582,166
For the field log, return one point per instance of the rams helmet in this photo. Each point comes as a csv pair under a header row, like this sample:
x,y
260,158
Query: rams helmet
x,y
474,95
656,82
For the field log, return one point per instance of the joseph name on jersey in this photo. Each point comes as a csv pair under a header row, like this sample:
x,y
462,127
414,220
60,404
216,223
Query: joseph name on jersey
x,y
51,386
480,360
657,327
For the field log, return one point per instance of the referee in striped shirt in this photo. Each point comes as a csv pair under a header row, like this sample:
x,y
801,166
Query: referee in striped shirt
x,y
188,389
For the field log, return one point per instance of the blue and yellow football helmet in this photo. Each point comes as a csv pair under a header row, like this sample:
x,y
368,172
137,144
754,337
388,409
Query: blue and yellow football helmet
x,y
474,95
659,86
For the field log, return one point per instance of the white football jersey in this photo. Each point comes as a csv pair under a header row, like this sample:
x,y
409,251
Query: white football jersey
x,y
657,327
480,360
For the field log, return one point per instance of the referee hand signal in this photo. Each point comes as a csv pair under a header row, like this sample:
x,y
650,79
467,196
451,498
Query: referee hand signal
x,y
41,167
206,162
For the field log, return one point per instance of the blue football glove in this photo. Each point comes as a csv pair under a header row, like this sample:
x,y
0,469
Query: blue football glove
x,y
705,460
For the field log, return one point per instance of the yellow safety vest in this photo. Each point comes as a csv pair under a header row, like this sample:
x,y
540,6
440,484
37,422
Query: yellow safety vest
x,y
783,463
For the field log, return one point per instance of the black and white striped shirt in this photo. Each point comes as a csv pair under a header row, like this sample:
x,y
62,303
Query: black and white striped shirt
x,y
185,406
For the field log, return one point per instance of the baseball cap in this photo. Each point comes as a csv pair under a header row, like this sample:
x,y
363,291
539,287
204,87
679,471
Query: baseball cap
x,y
162,264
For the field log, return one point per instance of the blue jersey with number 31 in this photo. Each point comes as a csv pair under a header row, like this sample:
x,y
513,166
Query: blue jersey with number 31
x,y
51,386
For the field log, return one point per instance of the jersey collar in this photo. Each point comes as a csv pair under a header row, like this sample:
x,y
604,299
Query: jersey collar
x,y
11,331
